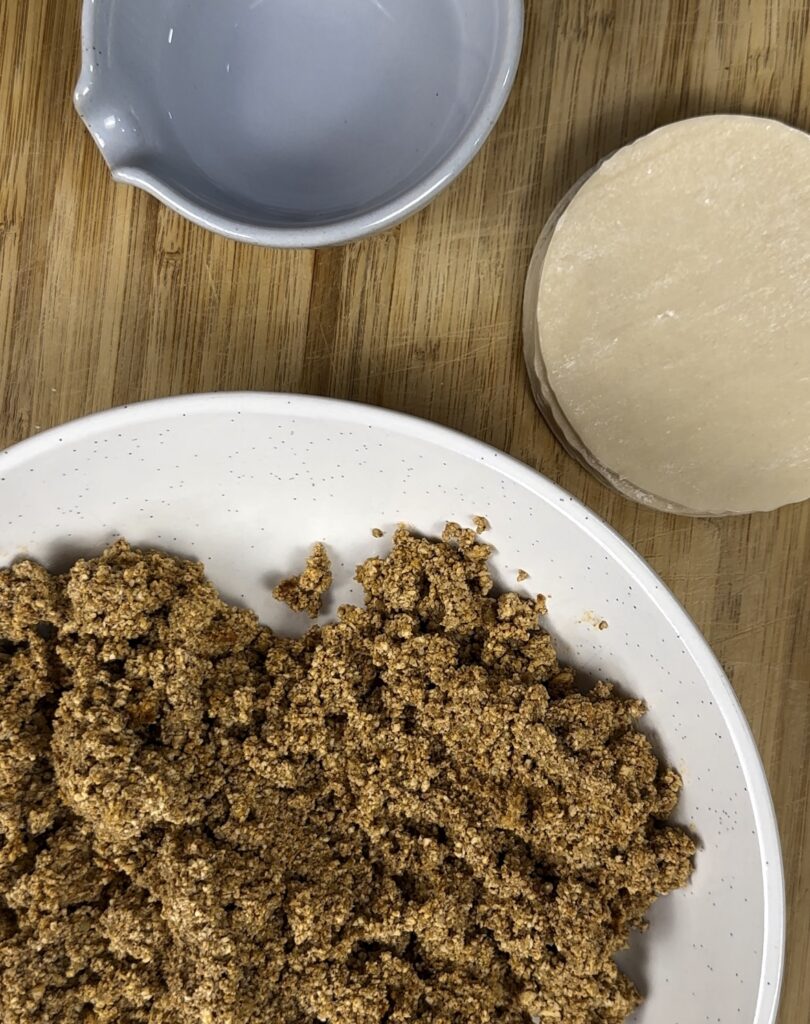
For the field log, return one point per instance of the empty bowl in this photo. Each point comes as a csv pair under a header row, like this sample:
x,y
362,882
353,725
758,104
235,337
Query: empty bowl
x,y
295,122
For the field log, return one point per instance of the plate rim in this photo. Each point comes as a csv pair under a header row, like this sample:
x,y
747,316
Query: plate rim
x,y
362,414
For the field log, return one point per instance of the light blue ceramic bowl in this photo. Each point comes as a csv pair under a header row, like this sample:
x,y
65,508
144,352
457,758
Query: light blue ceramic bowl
x,y
295,122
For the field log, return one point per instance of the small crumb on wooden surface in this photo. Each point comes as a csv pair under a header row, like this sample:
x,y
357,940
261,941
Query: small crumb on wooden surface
x,y
305,593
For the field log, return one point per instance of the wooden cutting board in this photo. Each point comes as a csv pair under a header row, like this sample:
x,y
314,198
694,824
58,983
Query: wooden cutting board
x,y
106,298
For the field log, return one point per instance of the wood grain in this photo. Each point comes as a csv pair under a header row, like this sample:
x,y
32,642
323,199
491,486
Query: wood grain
x,y
106,297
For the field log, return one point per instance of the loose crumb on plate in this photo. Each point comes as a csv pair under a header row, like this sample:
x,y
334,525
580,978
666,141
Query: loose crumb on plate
x,y
410,815
481,524
522,575
305,593
377,532
594,620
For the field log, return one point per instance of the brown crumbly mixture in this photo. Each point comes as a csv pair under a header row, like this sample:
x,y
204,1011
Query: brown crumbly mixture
x,y
305,593
410,815
481,524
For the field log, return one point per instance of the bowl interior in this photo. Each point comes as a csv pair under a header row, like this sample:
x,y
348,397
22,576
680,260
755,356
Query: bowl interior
x,y
293,112
248,482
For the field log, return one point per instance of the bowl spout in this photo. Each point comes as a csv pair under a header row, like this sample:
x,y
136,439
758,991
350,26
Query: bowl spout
x,y
117,130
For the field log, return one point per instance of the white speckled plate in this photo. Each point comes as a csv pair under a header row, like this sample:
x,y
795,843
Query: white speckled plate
x,y
247,481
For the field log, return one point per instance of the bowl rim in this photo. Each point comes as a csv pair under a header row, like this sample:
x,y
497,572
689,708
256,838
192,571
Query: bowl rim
x,y
342,230
355,414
